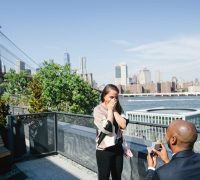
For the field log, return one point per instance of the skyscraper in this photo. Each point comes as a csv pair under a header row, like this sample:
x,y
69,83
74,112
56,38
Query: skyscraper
x,y
3,68
0,64
158,77
28,71
66,58
20,66
117,75
83,66
144,76
121,74
83,72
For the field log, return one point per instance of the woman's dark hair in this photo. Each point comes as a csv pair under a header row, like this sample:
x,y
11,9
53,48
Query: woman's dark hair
x,y
106,90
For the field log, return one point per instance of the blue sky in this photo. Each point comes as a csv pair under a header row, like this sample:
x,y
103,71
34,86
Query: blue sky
x,y
156,34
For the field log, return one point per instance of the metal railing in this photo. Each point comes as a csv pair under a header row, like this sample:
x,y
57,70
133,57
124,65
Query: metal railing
x,y
16,110
73,136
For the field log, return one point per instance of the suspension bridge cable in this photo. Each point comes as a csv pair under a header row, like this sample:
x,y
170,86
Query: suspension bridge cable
x,y
8,60
9,52
19,48
14,55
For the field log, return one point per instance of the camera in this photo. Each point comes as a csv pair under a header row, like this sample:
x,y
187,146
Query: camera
x,y
157,146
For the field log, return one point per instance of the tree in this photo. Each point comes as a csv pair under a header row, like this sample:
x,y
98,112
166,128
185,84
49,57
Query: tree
x,y
53,87
36,101
84,97
52,83
15,86
66,91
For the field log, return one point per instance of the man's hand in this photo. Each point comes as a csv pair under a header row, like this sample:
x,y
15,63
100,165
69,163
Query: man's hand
x,y
162,154
151,159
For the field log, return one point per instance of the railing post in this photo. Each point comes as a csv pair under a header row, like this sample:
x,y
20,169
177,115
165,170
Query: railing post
x,y
56,132
10,133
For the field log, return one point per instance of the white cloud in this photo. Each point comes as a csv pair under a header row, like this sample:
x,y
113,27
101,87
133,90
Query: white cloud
x,y
180,56
175,49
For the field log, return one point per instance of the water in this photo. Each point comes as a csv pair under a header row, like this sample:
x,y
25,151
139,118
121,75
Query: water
x,y
135,103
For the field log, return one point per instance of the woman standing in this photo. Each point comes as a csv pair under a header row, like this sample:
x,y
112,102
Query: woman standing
x,y
109,120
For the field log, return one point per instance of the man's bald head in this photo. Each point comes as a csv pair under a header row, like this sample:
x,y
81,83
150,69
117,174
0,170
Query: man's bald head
x,y
185,133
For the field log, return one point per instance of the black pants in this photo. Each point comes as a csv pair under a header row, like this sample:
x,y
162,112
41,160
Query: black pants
x,y
109,161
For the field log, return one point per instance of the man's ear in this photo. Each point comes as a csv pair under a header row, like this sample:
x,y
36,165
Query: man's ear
x,y
173,140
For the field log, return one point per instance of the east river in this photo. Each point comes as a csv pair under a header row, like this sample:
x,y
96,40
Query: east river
x,y
135,103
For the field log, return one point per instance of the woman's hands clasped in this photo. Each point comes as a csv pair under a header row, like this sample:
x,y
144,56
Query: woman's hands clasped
x,y
112,104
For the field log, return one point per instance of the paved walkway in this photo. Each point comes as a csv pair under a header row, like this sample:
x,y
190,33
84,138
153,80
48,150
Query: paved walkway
x,y
55,167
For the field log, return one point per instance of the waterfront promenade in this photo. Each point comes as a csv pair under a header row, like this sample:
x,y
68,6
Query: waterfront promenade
x,y
162,94
49,147
69,148
55,167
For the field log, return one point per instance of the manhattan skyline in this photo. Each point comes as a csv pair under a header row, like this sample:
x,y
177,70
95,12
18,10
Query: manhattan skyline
x,y
162,36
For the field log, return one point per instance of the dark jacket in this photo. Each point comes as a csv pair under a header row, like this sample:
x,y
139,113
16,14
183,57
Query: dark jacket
x,y
184,165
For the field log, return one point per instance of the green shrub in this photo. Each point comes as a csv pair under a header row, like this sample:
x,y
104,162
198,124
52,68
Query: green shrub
x,y
4,111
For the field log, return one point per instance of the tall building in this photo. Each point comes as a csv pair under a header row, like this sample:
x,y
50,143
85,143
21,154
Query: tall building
x,y
0,65
135,79
37,69
67,58
132,79
88,77
121,74
174,84
51,61
1,75
196,82
144,76
158,77
124,74
83,72
3,68
20,66
28,71
83,66
117,75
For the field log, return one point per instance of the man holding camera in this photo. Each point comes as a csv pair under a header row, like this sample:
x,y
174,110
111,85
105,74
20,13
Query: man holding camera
x,y
184,164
